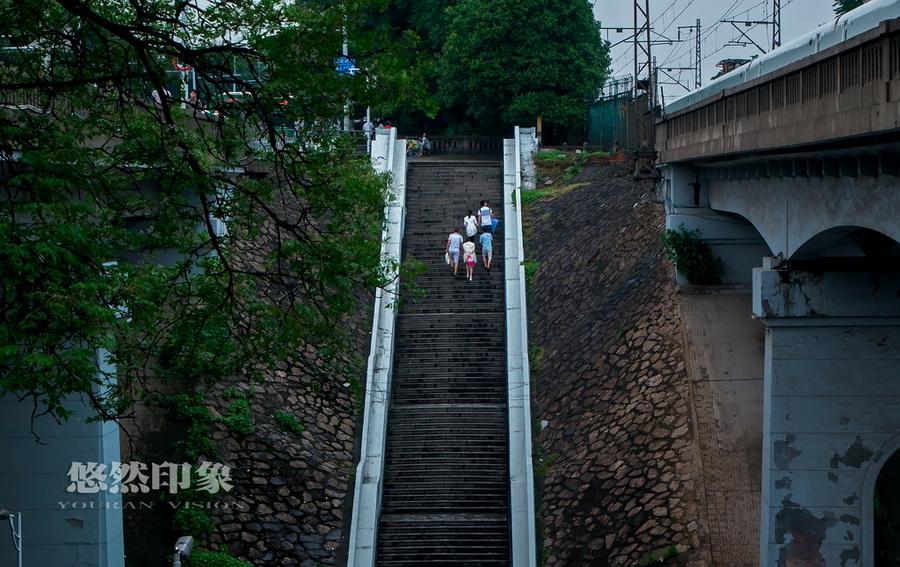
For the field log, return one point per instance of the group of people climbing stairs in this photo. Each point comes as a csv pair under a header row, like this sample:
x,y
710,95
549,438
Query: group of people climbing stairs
x,y
445,497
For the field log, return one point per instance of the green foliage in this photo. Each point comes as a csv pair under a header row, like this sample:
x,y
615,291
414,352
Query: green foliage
x,y
535,358
551,156
192,521
356,389
844,6
571,172
509,61
531,267
541,461
692,257
191,410
288,422
184,303
239,417
657,557
203,558
534,195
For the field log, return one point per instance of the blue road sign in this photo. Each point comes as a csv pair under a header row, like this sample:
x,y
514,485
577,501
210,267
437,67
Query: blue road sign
x,y
345,66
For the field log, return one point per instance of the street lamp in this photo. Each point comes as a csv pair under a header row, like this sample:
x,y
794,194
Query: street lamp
x,y
15,527
183,548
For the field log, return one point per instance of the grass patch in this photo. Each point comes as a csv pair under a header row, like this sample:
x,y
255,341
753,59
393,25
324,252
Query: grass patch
x,y
553,156
535,358
288,422
529,197
571,172
531,267
541,461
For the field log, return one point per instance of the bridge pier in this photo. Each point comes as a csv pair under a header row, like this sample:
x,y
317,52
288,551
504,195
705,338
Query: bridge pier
x,y
735,241
830,409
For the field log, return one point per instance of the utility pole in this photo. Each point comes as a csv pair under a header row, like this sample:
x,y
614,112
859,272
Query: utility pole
x,y
695,30
698,59
776,24
643,63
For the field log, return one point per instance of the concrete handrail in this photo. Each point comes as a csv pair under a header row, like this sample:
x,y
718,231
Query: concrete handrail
x,y
521,474
388,156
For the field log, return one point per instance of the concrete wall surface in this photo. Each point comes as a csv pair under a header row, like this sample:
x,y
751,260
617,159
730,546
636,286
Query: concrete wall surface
x,y
832,406
831,411
59,528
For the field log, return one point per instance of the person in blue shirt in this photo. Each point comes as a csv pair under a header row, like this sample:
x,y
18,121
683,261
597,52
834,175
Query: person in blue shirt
x,y
487,247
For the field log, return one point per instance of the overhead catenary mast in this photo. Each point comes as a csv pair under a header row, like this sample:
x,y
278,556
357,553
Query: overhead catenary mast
x,y
776,24
643,63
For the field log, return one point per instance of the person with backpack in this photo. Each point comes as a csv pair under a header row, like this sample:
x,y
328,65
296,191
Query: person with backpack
x,y
484,217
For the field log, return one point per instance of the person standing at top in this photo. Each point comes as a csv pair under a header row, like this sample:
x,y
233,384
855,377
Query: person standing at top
x,y
424,145
487,248
369,129
470,224
454,241
469,258
484,217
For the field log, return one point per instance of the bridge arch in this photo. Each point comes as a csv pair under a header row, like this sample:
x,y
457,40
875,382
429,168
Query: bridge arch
x,y
848,241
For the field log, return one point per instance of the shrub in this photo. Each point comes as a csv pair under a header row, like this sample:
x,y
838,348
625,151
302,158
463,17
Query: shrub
x,y
288,422
192,521
239,418
692,257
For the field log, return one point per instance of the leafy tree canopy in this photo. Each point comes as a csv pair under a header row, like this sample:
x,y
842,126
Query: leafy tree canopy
x,y
844,6
507,61
112,202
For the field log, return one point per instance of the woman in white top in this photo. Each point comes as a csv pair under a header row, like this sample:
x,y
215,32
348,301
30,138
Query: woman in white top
x,y
469,258
471,225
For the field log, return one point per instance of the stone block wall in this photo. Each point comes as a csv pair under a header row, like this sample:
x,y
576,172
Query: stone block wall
x,y
612,394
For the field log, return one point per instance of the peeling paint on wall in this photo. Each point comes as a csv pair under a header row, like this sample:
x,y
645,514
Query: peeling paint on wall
x,y
783,483
784,453
802,534
851,554
854,456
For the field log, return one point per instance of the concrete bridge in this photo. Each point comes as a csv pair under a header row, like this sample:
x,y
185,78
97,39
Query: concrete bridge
x,y
790,169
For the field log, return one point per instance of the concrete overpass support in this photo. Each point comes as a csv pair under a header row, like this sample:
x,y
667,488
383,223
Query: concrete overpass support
x,y
791,202
731,238
831,409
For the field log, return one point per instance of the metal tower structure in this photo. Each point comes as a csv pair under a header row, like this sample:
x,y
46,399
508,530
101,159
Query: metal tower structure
x,y
698,59
776,24
643,68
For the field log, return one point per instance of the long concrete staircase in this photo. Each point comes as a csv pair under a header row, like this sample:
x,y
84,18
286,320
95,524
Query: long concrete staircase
x,y
445,499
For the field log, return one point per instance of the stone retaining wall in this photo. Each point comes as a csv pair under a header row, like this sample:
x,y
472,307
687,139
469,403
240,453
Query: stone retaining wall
x,y
611,390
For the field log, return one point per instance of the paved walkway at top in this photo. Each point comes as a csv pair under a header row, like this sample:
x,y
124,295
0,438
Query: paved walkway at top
x,y
724,356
